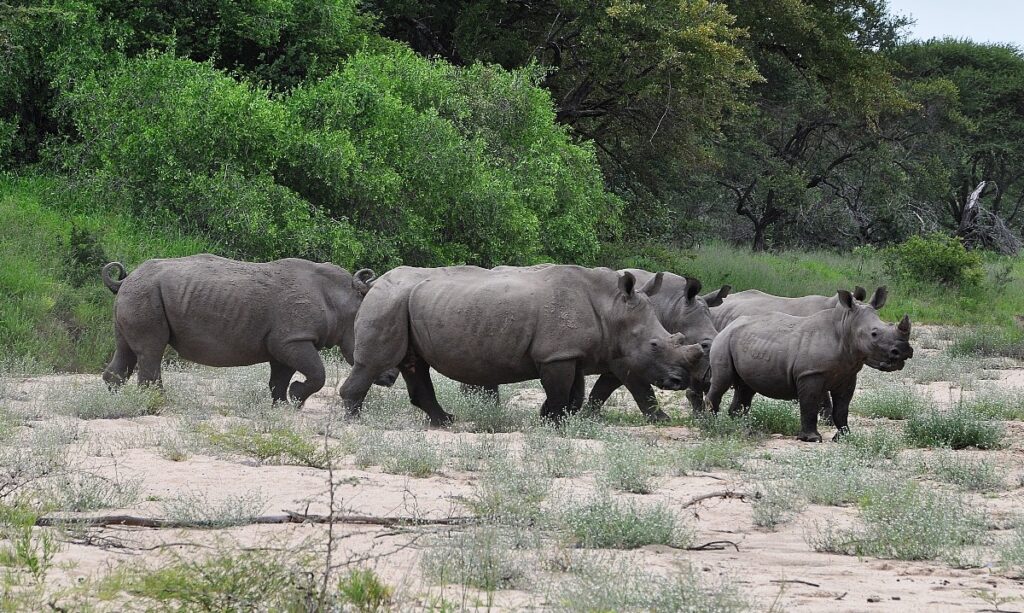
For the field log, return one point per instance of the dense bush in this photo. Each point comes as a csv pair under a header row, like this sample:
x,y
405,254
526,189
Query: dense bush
x,y
935,258
186,144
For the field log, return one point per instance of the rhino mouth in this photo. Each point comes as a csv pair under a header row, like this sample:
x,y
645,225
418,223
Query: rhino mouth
x,y
888,365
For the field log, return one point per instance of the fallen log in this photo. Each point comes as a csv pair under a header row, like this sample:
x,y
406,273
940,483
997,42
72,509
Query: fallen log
x,y
288,517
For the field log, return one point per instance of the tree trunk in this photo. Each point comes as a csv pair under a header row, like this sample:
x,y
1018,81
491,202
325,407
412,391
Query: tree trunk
x,y
759,245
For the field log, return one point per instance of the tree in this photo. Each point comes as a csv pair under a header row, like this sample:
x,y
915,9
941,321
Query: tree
x,y
826,85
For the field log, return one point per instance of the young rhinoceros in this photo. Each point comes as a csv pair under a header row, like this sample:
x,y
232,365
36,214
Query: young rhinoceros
x,y
787,357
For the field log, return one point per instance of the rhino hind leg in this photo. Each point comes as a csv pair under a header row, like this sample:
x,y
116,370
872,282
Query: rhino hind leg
x,y
742,397
280,377
421,391
304,358
810,393
121,366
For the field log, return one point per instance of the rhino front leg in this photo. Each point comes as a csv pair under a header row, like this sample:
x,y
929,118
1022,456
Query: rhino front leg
x,y
810,391
643,395
841,409
558,380
280,377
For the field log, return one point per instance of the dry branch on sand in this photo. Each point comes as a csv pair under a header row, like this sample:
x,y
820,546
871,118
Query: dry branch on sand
x,y
288,517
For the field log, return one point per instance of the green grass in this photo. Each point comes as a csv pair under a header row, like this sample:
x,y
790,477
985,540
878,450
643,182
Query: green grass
x,y
956,428
362,588
479,557
995,403
61,325
987,341
890,401
971,474
630,465
775,417
607,523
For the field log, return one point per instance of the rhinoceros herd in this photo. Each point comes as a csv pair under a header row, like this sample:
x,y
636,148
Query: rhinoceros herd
x,y
556,323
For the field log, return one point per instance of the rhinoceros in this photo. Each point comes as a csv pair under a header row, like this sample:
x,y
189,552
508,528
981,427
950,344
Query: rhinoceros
x,y
490,327
756,302
787,357
222,312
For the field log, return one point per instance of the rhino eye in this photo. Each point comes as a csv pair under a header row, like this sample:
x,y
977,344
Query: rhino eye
x,y
874,334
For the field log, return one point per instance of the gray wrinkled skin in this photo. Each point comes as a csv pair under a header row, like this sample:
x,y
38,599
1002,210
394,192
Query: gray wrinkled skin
x,y
222,312
489,327
786,357
681,309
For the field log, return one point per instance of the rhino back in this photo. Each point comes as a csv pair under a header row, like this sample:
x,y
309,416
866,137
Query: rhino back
x,y
754,302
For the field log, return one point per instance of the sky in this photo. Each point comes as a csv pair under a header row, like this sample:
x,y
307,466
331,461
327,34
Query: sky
x,y
994,21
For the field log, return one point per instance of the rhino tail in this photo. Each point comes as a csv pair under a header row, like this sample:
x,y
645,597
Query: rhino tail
x,y
112,284
363,280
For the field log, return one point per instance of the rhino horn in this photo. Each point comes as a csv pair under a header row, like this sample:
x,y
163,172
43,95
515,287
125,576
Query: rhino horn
x,y
363,280
654,284
904,325
878,299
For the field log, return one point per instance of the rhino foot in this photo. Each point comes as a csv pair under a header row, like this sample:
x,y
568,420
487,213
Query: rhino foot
x,y
840,433
442,421
809,437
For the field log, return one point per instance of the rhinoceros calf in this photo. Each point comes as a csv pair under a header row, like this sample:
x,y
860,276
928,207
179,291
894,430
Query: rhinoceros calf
x,y
756,302
222,312
787,357
486,328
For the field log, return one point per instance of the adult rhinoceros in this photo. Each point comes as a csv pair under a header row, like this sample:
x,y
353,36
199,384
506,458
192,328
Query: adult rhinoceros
x,y
680,308
489,327
787,357
222,312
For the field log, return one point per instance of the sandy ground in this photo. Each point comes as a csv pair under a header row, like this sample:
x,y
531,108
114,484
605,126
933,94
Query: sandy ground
x,y
774,570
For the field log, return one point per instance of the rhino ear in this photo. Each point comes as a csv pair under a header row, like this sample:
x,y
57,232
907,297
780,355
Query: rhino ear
x,y
363,280
859,293
692,288
878,300
904,325
627,283
652,286
715,298
845,298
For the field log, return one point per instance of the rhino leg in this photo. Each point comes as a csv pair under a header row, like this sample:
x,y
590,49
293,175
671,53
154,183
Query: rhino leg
x,y
353,390
810,392
121,365
643,395
562,386
826,409
303,357
841,410
742,396
721,380
602,390
421,391
280,377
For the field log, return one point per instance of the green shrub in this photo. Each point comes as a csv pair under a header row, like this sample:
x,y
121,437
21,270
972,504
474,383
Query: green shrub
x,y
971,474
606,523
630,465
891,402
987,341
905,522
480,558
995,403
956,428
935,258
364,590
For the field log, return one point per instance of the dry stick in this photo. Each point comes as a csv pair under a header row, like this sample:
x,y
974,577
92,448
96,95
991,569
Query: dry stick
x,y
713,546
289,517
718,494
794,581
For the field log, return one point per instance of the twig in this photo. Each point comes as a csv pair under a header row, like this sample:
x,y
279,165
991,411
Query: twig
x,y
719,494
713,546
289,517
794,581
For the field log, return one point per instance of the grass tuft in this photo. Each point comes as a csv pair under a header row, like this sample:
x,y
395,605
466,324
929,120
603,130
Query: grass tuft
x,y
606,523
892,401
774,417
399,453
199,511
956,428
971,474
481,557
362,588
630,465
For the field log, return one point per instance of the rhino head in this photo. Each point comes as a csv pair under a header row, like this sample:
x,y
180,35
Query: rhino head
x,y
882,346
647,350
691,314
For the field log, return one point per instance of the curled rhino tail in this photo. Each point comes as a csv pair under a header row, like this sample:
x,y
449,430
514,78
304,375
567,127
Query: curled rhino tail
x,y
363,280
121,274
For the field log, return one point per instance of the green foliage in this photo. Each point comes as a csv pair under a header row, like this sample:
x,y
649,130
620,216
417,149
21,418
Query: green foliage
x,y
906,522
775,417
630,465
956,428
364,590
935,258
897,401
280,444
22,548
479,557
606,523
987,341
